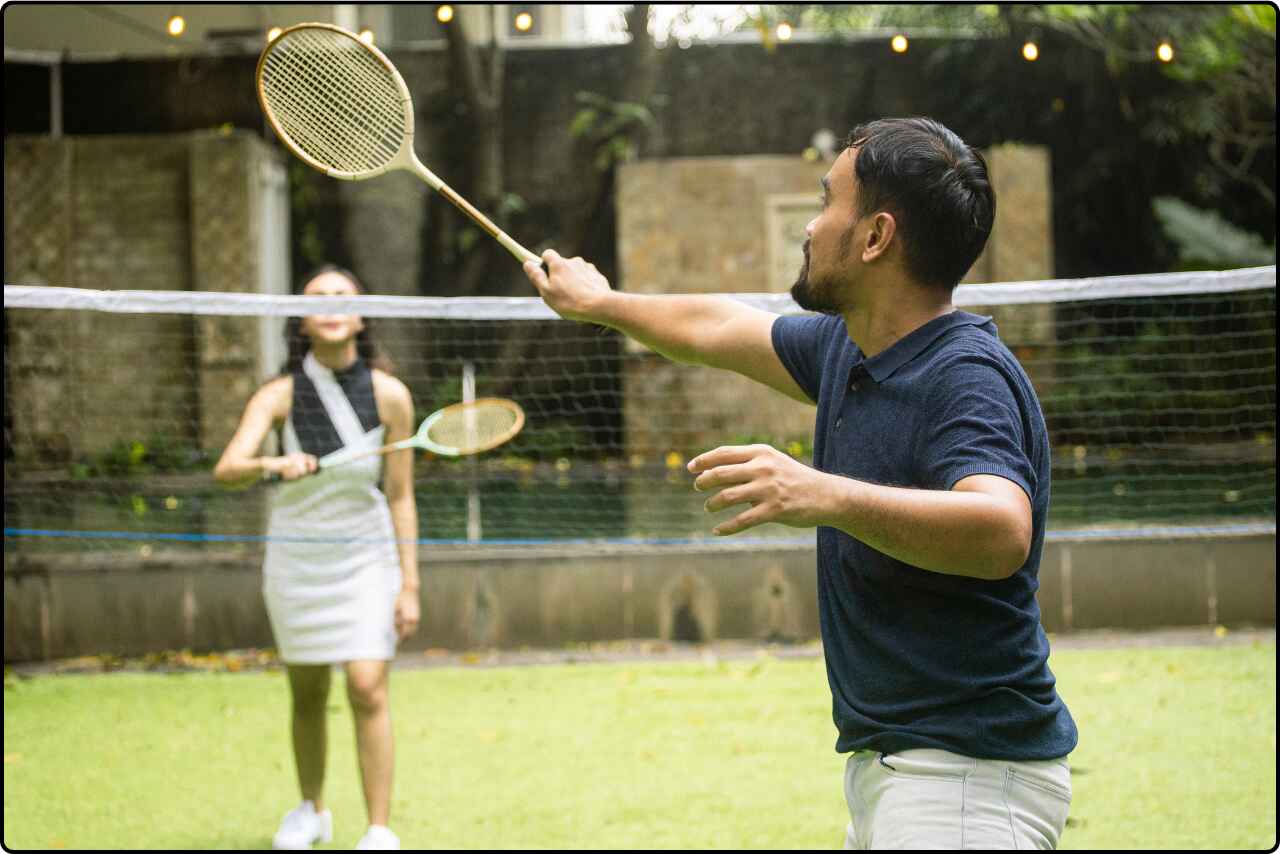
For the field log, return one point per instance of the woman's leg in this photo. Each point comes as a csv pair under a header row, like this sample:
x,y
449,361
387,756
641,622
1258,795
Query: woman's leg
x,y
309,686
370,707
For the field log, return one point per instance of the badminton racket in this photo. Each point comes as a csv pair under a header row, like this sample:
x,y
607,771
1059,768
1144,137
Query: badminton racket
x,y
458,430
341,107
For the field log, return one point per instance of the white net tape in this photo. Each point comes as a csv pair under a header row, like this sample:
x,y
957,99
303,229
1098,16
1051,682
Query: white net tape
x,y
533,308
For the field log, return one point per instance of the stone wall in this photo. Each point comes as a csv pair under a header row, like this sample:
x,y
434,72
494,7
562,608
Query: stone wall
x,y
174,212
736,224
702,225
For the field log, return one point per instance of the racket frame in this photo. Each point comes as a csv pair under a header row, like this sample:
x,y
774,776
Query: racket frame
x,y
404,158
423,442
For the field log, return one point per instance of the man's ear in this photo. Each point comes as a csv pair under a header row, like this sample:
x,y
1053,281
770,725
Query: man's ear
x,y
879,236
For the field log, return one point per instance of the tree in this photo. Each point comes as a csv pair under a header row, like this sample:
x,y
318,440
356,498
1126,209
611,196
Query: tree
x,y
1224,54
1227,57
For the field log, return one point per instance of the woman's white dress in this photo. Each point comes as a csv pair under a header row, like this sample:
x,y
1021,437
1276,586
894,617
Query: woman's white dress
x,y
332,571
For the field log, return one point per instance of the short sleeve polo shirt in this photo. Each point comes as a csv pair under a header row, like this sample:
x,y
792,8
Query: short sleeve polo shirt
x,y
920,659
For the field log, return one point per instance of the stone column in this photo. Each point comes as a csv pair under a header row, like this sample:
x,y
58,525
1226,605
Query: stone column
x,y
231,177
1020,249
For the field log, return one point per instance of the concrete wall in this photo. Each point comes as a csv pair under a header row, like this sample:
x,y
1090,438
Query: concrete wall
x,y
58,607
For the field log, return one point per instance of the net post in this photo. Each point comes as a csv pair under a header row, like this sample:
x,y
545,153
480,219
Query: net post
x,y
474,529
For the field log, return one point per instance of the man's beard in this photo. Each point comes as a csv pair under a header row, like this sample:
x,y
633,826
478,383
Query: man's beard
x,y
810,295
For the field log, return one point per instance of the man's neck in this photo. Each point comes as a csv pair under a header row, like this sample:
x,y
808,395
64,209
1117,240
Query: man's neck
x,y
893,314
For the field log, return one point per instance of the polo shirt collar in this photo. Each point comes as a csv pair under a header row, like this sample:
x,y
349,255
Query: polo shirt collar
x,y
882,365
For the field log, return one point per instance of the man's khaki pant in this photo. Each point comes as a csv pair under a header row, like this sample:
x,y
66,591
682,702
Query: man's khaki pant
x,y
933,799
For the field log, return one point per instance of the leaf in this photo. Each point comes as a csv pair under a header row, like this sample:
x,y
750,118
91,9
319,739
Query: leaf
x,y
1205,238
583,122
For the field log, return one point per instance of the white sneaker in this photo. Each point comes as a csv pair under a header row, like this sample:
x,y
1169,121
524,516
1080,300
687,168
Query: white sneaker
x,y
302,827
378,838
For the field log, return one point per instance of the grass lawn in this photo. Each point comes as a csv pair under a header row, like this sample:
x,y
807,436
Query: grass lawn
x,y
1177,750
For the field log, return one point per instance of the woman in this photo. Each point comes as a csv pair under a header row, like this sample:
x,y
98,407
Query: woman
x,y
340,576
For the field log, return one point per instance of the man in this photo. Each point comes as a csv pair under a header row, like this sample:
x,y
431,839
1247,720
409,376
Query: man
x,y
929,490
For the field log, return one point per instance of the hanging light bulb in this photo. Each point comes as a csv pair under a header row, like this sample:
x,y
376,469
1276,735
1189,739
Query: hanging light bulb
x,y
444,14
273,34
1164,52
784,32
176,25
524,22
366,36
899,43
1030,52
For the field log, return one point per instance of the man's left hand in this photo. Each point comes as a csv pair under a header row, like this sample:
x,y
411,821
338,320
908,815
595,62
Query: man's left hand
x,y
778,487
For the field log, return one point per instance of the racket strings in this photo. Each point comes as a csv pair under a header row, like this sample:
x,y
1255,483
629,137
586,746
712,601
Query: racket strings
x,y
334,100
468,428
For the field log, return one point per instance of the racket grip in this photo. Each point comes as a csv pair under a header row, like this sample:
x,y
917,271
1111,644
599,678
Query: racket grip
x,y
272,477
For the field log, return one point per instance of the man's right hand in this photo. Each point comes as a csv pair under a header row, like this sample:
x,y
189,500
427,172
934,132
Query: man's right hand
x,y
574,290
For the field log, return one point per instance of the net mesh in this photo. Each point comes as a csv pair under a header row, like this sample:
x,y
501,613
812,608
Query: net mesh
x,y
333,99
1158,392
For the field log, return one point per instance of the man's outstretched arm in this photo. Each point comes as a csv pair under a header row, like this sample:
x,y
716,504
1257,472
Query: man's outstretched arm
x,y
698,329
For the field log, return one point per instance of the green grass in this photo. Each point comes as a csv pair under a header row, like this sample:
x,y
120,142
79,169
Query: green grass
x,y
1177,750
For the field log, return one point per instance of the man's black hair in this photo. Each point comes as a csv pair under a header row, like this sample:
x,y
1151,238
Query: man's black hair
x,y
937,189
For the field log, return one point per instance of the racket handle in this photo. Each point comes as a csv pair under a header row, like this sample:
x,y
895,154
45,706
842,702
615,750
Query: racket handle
x,y
273,477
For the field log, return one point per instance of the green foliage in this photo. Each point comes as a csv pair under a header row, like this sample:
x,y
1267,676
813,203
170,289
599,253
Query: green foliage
x,y
1152,371
304,206
609,128
1206,241
131,458
551,441
850,18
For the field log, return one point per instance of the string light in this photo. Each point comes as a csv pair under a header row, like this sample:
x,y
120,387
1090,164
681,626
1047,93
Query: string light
x,y
366,36
524,21
899,43
177,26
1164,52
444,14
784,31
273,34
1030,52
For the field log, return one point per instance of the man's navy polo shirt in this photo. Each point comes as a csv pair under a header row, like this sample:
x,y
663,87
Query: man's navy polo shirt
x,y
917,658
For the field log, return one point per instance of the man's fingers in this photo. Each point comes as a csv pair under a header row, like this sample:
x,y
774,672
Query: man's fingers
x,y
729,497
725,475
741,522
534,271
724,455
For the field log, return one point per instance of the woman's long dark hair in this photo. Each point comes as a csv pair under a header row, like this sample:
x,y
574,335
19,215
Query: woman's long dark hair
x,y
298,344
